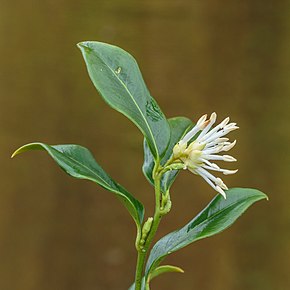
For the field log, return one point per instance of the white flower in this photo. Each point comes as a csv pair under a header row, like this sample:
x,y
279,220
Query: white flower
x,y
197,156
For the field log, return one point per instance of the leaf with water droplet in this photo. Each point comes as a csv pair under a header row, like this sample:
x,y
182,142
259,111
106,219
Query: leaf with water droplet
x,y
123,88
118,70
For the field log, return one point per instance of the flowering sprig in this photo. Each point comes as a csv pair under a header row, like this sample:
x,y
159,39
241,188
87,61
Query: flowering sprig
x,y
201,145
117,77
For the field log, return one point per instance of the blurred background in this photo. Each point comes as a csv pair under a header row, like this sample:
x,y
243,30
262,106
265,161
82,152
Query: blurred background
x,y
232,57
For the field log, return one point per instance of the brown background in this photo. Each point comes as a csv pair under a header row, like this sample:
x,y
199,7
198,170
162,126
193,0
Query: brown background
x,y
231,57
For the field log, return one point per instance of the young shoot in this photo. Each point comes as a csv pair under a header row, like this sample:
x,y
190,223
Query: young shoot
x,y
170,146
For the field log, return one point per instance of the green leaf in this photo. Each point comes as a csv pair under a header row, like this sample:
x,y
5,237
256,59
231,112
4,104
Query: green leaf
x,y
117,77
164,269
78,162
216,217
156,272
178,126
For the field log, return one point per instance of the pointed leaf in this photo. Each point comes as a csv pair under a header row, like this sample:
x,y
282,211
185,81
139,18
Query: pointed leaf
x,y
156,272
216,217
164,269
178,126
78,162
117,77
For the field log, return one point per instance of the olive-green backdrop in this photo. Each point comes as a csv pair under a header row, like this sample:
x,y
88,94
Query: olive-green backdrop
x,y
232,57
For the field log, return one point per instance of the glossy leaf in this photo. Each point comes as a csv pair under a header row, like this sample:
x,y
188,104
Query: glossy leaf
x,y
117,77
78,162
216,217
178,126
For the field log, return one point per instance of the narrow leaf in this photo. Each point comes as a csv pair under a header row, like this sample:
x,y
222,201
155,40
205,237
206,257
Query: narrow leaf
x,y
156,272
117,77
178,127
78,162
216,217
164,269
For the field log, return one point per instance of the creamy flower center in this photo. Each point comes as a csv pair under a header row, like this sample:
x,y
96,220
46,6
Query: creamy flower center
x,y
197,157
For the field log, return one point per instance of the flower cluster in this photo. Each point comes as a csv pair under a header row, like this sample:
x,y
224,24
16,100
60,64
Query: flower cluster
x,y
201,145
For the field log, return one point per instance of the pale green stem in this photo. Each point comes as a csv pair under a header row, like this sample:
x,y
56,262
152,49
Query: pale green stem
x,y
147,286
142,253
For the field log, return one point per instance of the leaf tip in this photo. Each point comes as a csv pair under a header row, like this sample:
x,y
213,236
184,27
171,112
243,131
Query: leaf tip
x,y
179,270
84,46
263,195
164,269
26,147
16,152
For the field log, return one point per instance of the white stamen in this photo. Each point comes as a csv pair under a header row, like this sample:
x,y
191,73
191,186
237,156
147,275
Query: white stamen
x,y
221,133
209,163
218,127
229,158
209,125
219,190
216,141
205,178
197,155
227,147
221,184
195,129
228,172
208,175
213,168
214,149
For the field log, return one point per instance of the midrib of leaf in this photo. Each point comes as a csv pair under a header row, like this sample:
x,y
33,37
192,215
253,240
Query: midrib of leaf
x,y
89,169
207,220
157,260
98,177
131,96
176,246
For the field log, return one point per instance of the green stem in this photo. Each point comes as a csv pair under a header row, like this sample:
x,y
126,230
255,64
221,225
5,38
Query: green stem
x,y
139,269
142,253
